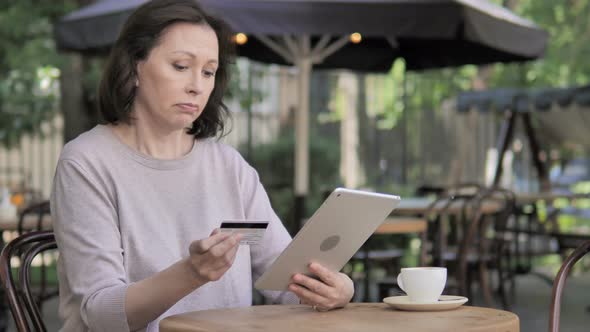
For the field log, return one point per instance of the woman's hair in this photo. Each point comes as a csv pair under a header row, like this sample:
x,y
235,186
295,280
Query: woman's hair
x,y
140,34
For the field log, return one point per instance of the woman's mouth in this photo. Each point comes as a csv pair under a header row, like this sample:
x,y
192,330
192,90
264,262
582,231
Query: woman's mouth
x,y
188,108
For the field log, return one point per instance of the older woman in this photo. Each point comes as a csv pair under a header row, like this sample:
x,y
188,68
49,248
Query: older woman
x,y
137,202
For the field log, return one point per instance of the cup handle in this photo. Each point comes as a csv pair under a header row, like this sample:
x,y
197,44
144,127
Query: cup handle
x,y
400,283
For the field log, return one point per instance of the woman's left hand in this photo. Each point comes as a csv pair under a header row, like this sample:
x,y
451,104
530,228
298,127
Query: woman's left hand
x,y
332,290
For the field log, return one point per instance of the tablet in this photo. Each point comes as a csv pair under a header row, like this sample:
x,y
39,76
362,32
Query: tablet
x,y
331,236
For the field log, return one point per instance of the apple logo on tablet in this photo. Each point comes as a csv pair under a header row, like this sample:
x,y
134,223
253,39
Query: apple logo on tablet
x,y
329,243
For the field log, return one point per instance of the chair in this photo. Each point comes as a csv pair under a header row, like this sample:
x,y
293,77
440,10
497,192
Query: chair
x,y
541,237
23,305
466,238
452,203
494,245
40,212
559,284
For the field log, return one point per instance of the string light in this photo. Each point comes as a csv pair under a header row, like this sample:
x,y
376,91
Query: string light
x,y
241,38
356,38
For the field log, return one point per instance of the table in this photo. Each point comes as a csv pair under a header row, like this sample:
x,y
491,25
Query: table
x,y
374,317
421,205
402,225
29,223
549,197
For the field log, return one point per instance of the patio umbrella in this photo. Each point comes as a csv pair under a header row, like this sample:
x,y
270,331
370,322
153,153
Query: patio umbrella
x,y
318,33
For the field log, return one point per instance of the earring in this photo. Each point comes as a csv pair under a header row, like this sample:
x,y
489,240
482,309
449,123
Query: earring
x,y
136,82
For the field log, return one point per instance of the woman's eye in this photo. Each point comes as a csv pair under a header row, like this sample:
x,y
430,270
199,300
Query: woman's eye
x,y
209,73
179,67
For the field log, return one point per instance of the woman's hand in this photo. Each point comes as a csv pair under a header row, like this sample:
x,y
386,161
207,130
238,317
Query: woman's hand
x,y
333,290
210,258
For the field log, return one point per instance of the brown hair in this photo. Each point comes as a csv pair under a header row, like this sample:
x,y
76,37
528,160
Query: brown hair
x,y
140,34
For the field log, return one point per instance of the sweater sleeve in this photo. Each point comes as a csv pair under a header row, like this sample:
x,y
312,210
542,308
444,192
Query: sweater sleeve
x,y
86,228
276,237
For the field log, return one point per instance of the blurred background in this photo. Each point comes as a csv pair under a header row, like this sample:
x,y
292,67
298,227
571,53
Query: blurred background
x,y
389,132
395,132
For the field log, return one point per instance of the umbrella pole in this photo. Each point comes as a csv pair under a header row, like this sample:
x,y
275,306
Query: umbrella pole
x,y
304,66
298,50
304,58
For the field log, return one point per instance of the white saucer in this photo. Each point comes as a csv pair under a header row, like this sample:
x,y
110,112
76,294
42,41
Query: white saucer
x,y
445,302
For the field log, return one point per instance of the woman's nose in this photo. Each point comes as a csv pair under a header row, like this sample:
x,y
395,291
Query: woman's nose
x,y
194,85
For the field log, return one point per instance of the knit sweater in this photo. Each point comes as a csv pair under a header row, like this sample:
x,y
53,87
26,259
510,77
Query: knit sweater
x,y
120,216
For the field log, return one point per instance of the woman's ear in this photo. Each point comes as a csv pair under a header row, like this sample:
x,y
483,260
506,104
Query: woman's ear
x,y
137,71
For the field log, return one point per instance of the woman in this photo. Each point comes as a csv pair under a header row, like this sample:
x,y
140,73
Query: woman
x,y
137,203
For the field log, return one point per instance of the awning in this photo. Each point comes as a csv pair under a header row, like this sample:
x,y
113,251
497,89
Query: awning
x,y
561,115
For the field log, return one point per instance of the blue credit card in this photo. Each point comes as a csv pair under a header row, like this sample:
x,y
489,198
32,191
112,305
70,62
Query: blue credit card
x,y
251,230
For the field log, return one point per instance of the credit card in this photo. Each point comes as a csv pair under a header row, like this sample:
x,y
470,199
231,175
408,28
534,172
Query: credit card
x,y
251,230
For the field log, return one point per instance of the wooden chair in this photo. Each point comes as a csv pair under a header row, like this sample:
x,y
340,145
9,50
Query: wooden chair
x,y
22,303
450,217
465,239
537,238
559,284
493,245
451,204
41,213
39,210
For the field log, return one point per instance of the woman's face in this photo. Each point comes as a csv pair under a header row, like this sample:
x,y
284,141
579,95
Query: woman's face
x,y
177,78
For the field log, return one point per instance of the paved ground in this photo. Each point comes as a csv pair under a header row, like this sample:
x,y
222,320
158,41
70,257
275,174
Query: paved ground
x,y
534,300
532,305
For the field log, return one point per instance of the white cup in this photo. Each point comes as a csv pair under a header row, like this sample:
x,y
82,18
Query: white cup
x,y
423,284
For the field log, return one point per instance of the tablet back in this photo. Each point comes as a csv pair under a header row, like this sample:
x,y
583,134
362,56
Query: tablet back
x,y
331,236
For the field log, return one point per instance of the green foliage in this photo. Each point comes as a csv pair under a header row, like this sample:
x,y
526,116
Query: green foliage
x,y
566,60
28,61
275,164
243,88
566,63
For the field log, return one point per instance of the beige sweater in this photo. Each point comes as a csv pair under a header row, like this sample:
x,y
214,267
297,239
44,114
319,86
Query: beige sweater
x,y
121,216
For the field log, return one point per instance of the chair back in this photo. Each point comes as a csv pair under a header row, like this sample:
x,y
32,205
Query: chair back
x,y
449,217
39,210
23,306
455,205
473,227
559,284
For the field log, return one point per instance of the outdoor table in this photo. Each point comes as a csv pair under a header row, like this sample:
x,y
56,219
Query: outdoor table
x,y
374,317
421,205
530,198
402,225
29,223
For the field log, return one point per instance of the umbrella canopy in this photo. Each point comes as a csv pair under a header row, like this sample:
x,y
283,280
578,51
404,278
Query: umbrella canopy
x,y
426,33
316,33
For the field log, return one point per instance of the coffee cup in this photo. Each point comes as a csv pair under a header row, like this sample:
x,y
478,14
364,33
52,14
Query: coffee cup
x,y
423,284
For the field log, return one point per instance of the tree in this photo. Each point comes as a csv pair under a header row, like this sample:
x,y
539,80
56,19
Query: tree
x,y
29,87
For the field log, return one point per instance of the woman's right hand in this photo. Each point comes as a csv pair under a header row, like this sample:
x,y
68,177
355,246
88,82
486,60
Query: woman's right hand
x,y
210,258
